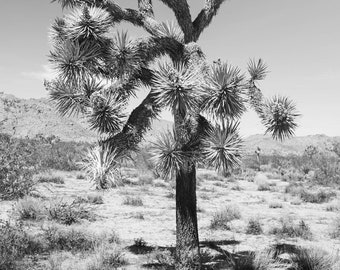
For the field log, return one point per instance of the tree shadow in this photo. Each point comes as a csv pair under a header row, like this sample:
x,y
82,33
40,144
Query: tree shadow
x,y
217,260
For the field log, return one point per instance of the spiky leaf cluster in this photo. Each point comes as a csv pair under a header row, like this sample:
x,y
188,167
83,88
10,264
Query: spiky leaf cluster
x,y
168,156
170,29
279,116
124,57
224,92
101,166
75,61
257,69
221,148
88,23
107,113
178,87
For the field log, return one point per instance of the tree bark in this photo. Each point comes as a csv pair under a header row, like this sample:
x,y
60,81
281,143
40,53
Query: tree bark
x,y
187,241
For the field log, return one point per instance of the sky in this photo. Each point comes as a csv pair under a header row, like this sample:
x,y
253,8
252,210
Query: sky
x,y
299,41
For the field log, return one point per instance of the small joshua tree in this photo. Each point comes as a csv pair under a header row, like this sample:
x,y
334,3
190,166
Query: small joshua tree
x,y
98,73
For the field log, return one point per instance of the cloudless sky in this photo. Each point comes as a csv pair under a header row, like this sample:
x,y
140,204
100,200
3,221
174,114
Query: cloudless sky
x,y
298,39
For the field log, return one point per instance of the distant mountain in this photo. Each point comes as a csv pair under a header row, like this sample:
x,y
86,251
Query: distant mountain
x,y
29,117
294,145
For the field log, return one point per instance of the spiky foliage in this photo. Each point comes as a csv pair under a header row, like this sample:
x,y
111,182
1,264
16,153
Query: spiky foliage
x,y
224,92
257,69
123,58
88,23
178,87
101,166
167,155
259,260
313,259
279,116
75,61
170,29
106,115
221,147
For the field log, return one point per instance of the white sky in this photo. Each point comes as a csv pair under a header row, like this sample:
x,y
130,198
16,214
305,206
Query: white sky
x,y
299,40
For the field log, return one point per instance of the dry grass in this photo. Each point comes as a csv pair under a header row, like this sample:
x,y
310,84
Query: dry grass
x,y
78,246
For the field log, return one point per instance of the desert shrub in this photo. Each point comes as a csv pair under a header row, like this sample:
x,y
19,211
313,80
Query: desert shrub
x,y
162,259
312,259
335,230
107,257
133,201
210,177
171,195
80,176
145,179
95,199
139,216
15,243
236,187
260,260
46,178
327,169
222,218
29,208
264,186
254,227
288,229
293,188
275,205
69,212
92,198
139,242
71,238
320,196
17,167
332,207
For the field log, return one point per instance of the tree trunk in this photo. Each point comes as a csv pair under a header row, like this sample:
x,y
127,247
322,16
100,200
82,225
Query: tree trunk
x,y
187,242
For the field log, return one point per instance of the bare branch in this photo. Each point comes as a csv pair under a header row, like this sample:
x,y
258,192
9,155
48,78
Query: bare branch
x,y
204,18
183,16
139,122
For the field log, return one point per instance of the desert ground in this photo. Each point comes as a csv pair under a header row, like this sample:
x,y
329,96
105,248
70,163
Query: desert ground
x,y
250,211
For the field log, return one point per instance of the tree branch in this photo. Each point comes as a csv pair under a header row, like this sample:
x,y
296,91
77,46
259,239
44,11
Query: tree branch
x,y
204,18
118,14
145,7
183,16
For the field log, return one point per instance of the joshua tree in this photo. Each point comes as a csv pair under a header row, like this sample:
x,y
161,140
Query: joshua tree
x,y
98,73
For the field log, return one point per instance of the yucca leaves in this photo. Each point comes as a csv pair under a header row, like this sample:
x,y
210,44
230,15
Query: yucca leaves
x,y
279,114
178,87
257,69
69,100
68,3
107,113
58,32
168,156
221,146
123,56
224,92
88,23
170,29
101,166
75,61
